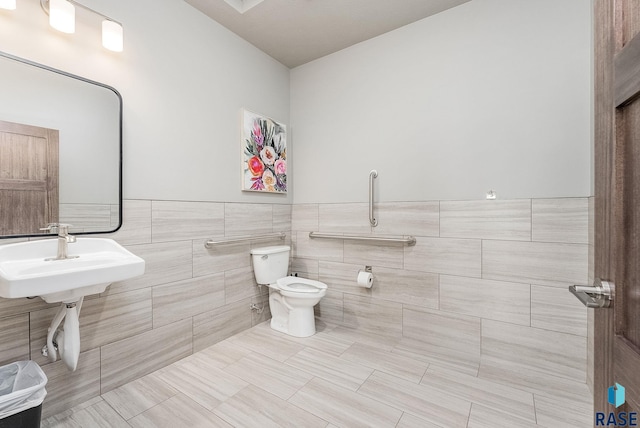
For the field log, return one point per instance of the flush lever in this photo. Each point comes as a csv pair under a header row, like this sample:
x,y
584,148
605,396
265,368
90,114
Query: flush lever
x,y
598,296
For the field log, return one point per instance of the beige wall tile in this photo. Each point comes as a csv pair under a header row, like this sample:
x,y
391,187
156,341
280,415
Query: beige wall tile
x,y
534,351
240,284
551,264
449,337
352,218
177,221
102,320
10,307
264,313
508,219
247,219
341,277
444,255
86,217
149,351
66,389
14,337
407,218
373,315
405,286
497,300
164,263
207,261
561,220
136,223
184,299
318,249
331,307
590,348
305,268
282,218
213,326
305,218
558,310
390,256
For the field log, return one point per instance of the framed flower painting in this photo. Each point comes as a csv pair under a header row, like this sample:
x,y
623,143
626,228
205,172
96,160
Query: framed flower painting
x,y
264,161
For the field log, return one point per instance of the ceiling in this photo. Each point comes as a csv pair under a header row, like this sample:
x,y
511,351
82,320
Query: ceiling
x,y
295,32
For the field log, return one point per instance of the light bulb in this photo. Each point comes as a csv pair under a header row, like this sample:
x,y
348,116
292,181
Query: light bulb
x,y
112,37
8,4
62,16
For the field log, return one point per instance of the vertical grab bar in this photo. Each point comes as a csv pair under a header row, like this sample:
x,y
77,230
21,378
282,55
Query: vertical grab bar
x,y
373,174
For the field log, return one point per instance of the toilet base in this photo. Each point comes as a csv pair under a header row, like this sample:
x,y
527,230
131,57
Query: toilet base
x,y
296,321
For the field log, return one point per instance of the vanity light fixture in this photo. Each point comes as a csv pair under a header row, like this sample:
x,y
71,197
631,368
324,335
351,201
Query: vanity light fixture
x,y
62,18
8,4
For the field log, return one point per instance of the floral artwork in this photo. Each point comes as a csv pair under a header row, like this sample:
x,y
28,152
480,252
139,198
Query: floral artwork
x,y
265,154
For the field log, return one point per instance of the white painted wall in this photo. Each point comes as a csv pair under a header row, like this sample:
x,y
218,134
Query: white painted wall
x,y
493,94
184,80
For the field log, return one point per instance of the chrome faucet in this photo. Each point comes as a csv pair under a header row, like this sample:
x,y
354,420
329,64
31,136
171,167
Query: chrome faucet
x,y
63,239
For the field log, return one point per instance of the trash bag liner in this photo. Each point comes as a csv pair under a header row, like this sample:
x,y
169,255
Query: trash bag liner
x,y
21,387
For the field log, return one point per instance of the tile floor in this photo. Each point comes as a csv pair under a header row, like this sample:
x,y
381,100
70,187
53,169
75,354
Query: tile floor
x,y
338,378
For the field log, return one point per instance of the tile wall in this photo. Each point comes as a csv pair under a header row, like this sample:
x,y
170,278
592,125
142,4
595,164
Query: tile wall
x,y
484,290
189,297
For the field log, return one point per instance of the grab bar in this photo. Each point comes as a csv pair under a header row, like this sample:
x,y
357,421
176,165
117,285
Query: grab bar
x,y
234,239
373,174
409,240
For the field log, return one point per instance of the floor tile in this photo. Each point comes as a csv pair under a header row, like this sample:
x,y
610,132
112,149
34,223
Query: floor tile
x,y
388,362
344,408
254,407
555,412
138,396
423,401
481,391
281,380
266,342
178,411
206,384
328,367
483,417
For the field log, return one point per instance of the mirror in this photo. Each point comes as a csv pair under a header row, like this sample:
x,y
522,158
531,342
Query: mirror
x,y
60,151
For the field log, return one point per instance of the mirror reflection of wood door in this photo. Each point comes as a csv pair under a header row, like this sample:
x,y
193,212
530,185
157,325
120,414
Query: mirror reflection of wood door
x,y
28,178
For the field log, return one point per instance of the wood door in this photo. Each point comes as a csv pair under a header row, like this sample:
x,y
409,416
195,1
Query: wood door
x,y
28,178
617,199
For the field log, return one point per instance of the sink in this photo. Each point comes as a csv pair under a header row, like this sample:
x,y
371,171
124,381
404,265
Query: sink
x,y
24,272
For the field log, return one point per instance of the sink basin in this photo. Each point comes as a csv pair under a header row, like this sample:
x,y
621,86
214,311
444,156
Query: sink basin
x,y
24,272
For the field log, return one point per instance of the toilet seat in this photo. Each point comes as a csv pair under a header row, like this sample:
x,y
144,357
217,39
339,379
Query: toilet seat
x,y
295,284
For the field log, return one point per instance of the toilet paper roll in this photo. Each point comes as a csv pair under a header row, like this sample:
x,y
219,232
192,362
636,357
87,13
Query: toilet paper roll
x,y
365,279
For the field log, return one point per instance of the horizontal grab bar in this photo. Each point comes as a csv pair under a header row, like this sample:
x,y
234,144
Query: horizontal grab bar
x,y
409,240
235,239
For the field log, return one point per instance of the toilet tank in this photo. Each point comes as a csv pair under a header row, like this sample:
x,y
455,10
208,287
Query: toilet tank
x,y
270,263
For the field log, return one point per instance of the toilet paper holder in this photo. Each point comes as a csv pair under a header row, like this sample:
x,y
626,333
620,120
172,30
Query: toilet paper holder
x,y
368,269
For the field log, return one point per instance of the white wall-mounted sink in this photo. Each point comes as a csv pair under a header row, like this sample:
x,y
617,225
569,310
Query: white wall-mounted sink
x,y
25,272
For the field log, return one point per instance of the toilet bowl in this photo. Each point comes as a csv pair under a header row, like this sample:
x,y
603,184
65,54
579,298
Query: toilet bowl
x,y
291,299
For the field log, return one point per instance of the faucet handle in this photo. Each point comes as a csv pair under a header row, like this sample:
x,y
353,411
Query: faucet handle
x,y
59,228
51,227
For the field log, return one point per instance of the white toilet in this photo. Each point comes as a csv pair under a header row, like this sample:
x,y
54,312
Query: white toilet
x,y
291,299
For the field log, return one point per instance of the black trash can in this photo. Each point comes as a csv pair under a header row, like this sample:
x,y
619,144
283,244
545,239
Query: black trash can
x,y
21,394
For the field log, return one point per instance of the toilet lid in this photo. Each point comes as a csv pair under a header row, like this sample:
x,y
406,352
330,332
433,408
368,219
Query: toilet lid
x,y
300,285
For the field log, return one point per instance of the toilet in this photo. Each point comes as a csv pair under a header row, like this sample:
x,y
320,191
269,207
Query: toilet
x,y
291,299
